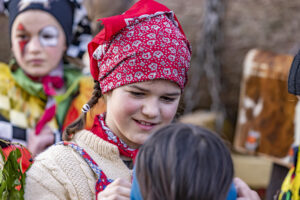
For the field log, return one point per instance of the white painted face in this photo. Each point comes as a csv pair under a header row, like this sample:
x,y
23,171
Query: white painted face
x,y
49,36
38,42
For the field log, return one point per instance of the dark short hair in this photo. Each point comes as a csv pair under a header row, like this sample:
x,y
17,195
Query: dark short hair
x,y
183,161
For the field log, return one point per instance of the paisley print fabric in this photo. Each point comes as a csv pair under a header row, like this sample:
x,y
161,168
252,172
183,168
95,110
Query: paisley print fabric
x,y
151,46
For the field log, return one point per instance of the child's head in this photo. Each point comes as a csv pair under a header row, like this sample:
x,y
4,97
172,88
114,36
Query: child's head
x,y
140,62
182,161
40,31
144,48
294,76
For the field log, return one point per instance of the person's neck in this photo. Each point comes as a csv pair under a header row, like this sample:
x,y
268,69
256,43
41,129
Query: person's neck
x,y
58,71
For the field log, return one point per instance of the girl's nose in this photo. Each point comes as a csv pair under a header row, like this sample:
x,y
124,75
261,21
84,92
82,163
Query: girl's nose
x,y
34,45
151,108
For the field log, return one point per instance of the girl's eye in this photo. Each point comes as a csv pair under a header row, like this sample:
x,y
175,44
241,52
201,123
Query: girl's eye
x,y
137,94
22,36
168,99
48,36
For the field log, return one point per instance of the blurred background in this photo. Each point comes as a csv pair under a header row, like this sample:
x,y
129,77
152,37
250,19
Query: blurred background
x,y
221,34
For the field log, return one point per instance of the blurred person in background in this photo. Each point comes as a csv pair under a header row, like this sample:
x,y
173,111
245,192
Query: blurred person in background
x,y
41,91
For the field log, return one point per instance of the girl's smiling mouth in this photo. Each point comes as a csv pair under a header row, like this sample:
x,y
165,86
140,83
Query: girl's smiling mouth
x,y
145,125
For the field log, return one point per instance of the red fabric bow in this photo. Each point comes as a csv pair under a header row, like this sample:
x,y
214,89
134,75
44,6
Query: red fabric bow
x,y
49,85
51,82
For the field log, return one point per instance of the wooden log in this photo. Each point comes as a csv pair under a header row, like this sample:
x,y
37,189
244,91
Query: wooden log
x,y
266,110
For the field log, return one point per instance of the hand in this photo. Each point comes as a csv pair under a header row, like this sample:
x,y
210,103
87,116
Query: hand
x,y
119,189
38,143
243,190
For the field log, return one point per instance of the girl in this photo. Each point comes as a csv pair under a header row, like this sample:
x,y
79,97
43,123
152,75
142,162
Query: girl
x,y
183,161
39,83
140,62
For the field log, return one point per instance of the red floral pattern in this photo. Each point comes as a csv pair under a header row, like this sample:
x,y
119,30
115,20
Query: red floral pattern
x,y
144,43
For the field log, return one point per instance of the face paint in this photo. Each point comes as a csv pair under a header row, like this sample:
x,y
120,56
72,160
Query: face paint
x,y
48,36
23,40
21,27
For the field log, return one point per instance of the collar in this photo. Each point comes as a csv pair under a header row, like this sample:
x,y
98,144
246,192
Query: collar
x,y
71,76
101,130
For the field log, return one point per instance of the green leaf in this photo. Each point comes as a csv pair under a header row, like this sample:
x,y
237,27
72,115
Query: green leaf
x,y
4,195
11,176
13,158
3,189
23,178
1,176
17,182
15,194
2,154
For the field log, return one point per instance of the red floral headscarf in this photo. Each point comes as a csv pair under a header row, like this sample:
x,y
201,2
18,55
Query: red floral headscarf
x,y
144,43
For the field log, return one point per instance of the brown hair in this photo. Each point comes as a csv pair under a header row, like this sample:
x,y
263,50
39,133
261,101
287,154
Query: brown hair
x,y
182,161
79,123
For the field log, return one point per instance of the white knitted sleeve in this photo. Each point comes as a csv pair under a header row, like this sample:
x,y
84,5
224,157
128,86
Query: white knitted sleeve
x,y
41,184
46,179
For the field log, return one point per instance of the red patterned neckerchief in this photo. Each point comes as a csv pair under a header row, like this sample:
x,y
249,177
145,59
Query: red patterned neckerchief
x,y
49,85
101,130
50,82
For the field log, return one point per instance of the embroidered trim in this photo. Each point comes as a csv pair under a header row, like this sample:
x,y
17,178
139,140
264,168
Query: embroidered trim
x,y
102,181
111,135
99,52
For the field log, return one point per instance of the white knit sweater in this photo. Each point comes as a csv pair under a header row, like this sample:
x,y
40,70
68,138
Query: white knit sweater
x,y
61,173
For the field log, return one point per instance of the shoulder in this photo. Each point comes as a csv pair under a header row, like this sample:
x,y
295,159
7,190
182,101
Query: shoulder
x,y
51,162
60,170
5,72
5,67
7,87
7,81
46,174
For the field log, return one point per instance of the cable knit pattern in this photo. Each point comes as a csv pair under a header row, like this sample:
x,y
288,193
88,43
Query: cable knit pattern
x,y
61,173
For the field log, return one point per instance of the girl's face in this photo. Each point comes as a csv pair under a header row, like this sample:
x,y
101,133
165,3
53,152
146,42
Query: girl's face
x,y
38,42
135,111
